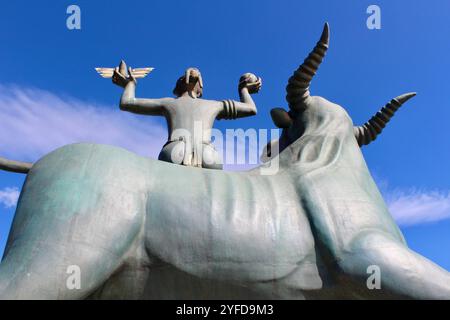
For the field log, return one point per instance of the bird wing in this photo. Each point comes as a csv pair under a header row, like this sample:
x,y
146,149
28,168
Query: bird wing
x,y
141,72
137,73
105,72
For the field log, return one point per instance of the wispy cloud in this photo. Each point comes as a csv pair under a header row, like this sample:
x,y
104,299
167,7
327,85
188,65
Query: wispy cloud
x,y
34,122
9,197
412,207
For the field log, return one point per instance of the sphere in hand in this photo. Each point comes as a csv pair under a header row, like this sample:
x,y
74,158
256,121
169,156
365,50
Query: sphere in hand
x,y
248,78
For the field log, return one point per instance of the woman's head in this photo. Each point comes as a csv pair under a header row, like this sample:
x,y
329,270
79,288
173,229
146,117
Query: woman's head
x,y
190,81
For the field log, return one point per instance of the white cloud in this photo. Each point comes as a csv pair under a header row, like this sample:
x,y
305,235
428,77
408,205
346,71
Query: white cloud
x,y
412,207
34,122
9,197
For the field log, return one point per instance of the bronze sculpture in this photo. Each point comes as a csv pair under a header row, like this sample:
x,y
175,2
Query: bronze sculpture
x,y
189,118
155,230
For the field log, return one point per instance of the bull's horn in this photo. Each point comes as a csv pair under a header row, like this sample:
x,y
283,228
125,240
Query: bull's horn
x,y
298,86
368,132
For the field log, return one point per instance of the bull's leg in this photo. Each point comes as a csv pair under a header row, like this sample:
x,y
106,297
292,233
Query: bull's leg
x,y
68,238
130,280
69,264
403,272
55,271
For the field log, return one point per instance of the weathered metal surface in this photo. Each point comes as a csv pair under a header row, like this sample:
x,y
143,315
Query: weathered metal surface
x,y
139,228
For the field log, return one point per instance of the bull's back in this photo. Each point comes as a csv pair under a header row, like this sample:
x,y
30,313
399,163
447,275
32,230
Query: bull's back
x,y
228,225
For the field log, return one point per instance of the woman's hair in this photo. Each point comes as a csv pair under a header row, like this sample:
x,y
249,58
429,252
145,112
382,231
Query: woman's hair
x,y
180,87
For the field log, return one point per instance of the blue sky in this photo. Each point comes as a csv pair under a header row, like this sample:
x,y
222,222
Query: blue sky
x,y
50,70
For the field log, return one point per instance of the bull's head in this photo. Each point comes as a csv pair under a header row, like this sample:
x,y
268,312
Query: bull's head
x,y
299,100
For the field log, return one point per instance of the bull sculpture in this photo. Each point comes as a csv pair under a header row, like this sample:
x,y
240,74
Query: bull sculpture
x,y
139,228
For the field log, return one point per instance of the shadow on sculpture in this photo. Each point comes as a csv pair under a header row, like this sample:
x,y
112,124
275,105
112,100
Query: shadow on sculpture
x,y
139,228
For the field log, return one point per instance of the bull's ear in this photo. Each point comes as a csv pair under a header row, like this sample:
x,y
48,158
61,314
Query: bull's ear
x,y
281,118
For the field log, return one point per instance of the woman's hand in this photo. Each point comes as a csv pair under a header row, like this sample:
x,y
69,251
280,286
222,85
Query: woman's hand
x,y
251,82
121,77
